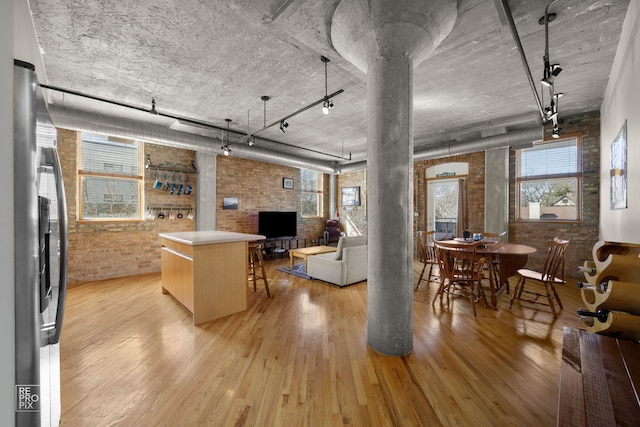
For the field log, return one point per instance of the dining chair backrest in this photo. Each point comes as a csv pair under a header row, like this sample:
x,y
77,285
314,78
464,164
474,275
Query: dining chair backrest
x,y
554,265
459,261
426,250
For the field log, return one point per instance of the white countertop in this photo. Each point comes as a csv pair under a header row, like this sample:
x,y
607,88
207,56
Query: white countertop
x,y
210,237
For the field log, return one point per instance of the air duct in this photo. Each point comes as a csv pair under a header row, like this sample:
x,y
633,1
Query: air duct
x,y
98,123
520,138
515,139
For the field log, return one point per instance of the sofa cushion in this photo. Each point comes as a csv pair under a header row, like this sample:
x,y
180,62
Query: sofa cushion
x,y
348,241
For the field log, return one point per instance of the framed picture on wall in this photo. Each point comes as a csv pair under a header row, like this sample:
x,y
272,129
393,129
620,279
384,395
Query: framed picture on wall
x,y
351,196
230,203
287,183
618,169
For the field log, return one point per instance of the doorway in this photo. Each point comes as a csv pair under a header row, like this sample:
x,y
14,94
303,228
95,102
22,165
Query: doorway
x,y
443,207
446,200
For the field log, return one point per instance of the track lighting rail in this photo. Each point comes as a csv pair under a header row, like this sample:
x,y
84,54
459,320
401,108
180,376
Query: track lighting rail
x,y
514,33
284,119
198,122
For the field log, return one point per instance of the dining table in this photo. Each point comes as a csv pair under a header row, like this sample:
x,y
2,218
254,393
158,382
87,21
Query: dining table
x,y
506,260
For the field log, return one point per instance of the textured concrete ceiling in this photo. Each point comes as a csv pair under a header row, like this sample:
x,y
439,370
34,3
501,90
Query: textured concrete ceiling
x,y
212,60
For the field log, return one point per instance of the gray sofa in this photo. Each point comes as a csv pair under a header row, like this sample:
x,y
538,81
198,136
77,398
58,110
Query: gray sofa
x,y
345,266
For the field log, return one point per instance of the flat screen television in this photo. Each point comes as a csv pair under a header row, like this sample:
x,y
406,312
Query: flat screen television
x,y
277,224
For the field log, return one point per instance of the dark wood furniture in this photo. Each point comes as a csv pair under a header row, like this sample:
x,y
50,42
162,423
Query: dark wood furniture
x,y
551,274
426,254
460,272
510,257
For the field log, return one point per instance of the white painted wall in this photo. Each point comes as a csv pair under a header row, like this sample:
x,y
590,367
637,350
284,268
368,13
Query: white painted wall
x,y
25,42
7,325
622,102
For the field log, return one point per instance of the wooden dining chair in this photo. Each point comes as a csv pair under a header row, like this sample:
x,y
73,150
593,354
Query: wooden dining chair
x,y
427,254
551,275
494,267
460,272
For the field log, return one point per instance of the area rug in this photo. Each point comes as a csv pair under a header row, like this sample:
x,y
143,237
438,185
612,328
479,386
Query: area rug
x,y
297,270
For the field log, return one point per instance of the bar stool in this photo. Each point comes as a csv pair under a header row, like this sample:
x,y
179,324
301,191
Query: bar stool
x,y
255,255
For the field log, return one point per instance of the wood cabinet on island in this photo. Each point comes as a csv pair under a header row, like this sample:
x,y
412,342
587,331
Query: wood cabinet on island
x,y
206,271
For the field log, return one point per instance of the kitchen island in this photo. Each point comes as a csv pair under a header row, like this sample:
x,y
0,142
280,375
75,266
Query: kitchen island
x,y
206,271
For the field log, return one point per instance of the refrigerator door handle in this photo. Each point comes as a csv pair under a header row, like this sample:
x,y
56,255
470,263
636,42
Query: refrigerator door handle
x,y
51,156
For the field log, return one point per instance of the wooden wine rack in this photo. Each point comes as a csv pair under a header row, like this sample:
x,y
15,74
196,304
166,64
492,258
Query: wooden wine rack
x,y
613,286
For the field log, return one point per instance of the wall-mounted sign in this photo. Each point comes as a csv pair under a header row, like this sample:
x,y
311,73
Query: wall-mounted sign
x,y
439,175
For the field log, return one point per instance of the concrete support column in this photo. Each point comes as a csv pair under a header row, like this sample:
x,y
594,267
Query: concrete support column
x,y
206,191
390,205
386,39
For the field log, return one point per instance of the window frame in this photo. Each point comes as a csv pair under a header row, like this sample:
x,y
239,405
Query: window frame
x,y
318,192
137,179
578,175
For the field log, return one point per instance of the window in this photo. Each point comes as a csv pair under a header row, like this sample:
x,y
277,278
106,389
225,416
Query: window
x,y
111,177
549,180
312,194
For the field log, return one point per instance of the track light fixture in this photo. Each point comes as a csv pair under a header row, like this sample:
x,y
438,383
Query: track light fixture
x,y
225,147
547,79
550,72
251,141
283,126
327,105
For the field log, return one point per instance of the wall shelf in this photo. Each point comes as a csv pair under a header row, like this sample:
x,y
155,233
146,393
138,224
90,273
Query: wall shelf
x,y
170,167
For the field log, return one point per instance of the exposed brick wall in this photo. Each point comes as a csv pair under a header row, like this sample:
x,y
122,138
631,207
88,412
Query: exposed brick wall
x,y
102,250
258,187
475,189
353,220
583,235
111,249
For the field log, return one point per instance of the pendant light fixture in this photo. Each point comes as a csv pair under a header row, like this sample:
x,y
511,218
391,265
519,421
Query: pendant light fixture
x,y
225,147
327,105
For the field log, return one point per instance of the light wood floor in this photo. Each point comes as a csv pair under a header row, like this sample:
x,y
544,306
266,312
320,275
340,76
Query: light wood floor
x,y
131,357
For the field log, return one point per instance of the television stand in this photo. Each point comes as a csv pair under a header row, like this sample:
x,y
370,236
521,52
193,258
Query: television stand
x,y
281,245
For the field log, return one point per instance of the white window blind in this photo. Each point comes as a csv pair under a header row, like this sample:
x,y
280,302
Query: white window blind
x,y
558,158
109,155
549,181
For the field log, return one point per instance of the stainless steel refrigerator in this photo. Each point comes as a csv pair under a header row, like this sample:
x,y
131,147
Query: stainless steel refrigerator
x,y
41,243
